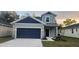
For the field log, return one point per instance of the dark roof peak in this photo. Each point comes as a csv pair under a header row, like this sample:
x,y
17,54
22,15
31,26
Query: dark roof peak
x,y
49,13
72,26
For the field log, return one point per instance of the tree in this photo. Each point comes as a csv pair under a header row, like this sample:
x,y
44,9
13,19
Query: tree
x,y
69,22
60,27
8,16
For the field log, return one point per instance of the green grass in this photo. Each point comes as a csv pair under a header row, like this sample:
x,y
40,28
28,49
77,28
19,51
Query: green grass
x,y
70,42
4,39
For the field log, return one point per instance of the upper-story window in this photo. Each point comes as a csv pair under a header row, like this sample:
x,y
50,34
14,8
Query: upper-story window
x,y
47,19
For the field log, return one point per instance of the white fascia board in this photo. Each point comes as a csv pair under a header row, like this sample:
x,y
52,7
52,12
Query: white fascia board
x,y
25,17
17,20
39,21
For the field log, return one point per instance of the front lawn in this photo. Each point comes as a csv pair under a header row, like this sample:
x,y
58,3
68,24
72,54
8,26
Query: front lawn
x,y
4,39
70,42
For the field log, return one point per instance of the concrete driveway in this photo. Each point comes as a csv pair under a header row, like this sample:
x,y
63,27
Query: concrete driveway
x,y
22,43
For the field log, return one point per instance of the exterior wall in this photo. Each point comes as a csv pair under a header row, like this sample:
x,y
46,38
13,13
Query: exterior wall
x,y
52,18
52,32
13,31
68,32
56,31
5,31
28,25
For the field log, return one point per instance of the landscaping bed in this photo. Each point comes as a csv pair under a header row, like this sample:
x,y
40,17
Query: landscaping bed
x,y
66,42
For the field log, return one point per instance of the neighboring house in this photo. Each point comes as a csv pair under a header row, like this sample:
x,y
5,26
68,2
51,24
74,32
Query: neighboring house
x,y
71,31
36,27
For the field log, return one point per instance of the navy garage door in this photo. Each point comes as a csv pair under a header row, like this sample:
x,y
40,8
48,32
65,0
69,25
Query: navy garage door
x,y
28,33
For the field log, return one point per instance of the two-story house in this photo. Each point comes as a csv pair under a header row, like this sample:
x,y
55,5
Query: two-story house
x,y
36,27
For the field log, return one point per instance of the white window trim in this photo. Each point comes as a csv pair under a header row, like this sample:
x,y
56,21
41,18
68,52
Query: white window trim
x,y
49,19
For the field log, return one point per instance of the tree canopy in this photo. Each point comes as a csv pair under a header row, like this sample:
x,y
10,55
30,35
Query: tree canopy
x,y
69,21
8,16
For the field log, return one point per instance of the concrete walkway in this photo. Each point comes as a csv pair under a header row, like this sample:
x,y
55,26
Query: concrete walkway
x,y
22,43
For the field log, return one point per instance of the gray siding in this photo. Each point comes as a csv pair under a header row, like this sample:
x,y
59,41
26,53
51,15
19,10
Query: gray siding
x,y
68,32
52,18
52,32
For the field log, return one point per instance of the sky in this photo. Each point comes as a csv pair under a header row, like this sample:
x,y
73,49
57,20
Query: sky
x,y
61,15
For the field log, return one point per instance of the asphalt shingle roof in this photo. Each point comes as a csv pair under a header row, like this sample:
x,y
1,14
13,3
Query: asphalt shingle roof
x,y
49,13
72,26
38,18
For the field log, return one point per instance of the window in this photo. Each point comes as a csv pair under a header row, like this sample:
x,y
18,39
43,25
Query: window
x,y
72,31
47,19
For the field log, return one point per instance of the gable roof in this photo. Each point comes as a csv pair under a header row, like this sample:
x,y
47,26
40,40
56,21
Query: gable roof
x,y
49,13
72,26
28,20
29,17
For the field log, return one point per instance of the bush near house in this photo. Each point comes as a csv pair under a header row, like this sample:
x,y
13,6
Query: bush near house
x,y
69,42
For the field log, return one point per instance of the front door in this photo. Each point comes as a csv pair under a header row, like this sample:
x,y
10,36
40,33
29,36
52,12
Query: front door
x,y
47,32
